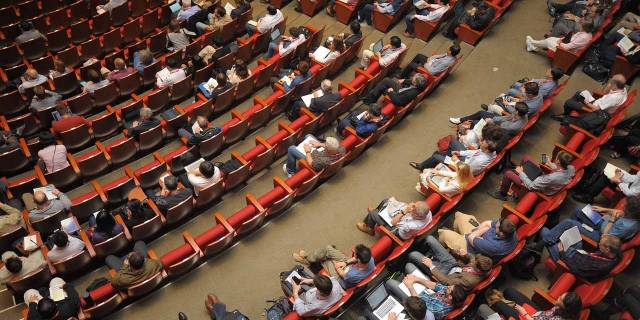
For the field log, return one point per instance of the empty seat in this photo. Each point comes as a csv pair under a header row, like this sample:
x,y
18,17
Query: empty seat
x,y
43,65
34,49
70,57
120,14
28,9
180,211
101,23
80,32
80,104
9,56
58,19
66,84
130,31
12,103
111,40
105,95
150,139
181,89
58,40
77,137
92,163
150,21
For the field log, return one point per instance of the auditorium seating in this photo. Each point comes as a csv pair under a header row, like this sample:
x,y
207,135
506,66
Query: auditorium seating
x,y
471,36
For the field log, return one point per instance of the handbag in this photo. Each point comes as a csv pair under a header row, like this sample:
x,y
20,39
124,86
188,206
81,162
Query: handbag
x,y
443,143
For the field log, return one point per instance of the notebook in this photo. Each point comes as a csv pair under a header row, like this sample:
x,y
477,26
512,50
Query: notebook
x,y
48,191
531,170
307,98
377,47
30,242
228,7
308,139
392,208
416,286
570,237
57,294
587,96
594,216
194,166
610,170
69,225
211,85
321,52
253,23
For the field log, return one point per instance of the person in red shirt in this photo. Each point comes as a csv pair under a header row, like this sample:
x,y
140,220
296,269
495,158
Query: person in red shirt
x,y
120,70
68,120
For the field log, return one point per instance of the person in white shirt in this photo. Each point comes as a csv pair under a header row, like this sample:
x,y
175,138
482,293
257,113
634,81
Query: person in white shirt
x,y
615,93
387,55
64,246
425,12
335,46
314,302
477,159
267,22
206,176
287,43
449,182
577,42
171,74
408,220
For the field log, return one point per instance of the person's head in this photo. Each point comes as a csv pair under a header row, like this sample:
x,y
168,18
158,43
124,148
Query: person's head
x,y
563,159
13,264
25,26
325,85
555,73
145,113
105,221
522,109
38,91
587,27
207,169
136,261
63,110
482,7
186,5
31,74
135,208
323,284
202,122
221,78
354,26
47,308
570,305
46,139
419,209
632,207
272,10
332,145
171,183
337,44
454,49
416,308
463,173
40,198
395,42
220,12
483,263
172,63
60,239
119,64
531,89
618,81
487,145
146,57
363,254
295,31
93,76
505,228
610,245
457,294
419,81
241,69
493,132
58,65
303,67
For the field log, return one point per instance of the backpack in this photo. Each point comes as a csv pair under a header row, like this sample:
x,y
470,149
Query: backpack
x,y
596,71
593,122
228,166
286,286
523,265
280,308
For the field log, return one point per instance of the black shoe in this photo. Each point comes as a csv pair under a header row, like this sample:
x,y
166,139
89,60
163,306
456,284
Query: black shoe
x,y
535,246
484,107
558,117
498,195
182,316
415,165
297,9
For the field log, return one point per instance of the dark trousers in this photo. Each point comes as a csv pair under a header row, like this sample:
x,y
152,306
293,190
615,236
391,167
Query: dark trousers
x,y
478,115
294,110
573,104
366,14
459,18
373,218
515,296
380,88
432,161
14,202
418,61
631,301
115,263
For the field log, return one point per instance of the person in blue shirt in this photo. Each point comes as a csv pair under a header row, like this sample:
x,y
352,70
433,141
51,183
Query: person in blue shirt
x,y
365,14
303,74
545,85
350,270
141,59
364,122
532,98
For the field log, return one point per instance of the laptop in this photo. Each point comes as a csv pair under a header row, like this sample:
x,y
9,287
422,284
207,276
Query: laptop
x,y
594,216
531,170
382,304
377,47
56,116
69,225
275,34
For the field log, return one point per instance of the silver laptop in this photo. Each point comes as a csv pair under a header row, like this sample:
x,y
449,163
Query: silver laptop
x,y
382,303
275,34
377,47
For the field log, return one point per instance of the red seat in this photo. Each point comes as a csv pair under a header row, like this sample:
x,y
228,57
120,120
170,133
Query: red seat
x,y
81,104
101,23
58,19
14,160
131,31
10,56
34,49
238,176
150,139
34,279
237,130
181,89
76,137
210,147
84,206
70,57
92,163
129,84
120,15
80,31
12,103
111,40
117,190
209,194
58,40
47,225
159,99
223,101
180,211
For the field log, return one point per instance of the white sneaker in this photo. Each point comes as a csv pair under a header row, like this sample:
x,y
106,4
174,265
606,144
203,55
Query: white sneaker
x,y
530,46
454,120
284,168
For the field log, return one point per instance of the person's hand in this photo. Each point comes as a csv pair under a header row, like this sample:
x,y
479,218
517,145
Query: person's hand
x,y
295,286
617,214
306,281
56,192
488,120
455,153
409,280
135,123
560,247
316,93
164,192
427,262
392,316
454,157
339,264
519,169
520,309
462,252
307,148
389,90
32,298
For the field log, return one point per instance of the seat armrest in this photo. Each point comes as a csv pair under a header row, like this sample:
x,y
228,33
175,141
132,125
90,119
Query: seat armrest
x,y
515,212
221,220
278,182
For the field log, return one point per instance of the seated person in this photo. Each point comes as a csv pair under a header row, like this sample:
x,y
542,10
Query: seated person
x,y
8,141
40,206
630,301
205,176
427,12
478,18
355,35
365,14
387,55
222,85
614,95
325,293
30,79
466,271
400,92
439,304
317,158
59,68
137,212
435,64
408,219
186,11
365,122
242,6
576,43
68,120
286,44
216,20
449,182
238,72
64,246
133,268
43,99
331,8
477,159
10,218
121,70
169,195
322,100
629,184
303,73
145,123
28,33
7,205
266,22
622,224
567,307
52,154
141,59
216,308
335,46
546,85
196,134
110,5
548,183
16,267
172,73
349,270
506,103
494,239
103,227
626,145
46,308
94,82
515,120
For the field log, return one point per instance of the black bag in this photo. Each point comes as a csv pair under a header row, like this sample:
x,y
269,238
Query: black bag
x,y
523,265
286,286
228,166
280,308
593,122
596,71
97,283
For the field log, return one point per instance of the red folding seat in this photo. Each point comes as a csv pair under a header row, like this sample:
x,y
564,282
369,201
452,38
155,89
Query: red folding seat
x,y
183,258
259,118
43,65
150,227
106,95
16,72
117,191
58,40
150,22
264,158
245,87
77,137
15,160
238,176
209,194
223,101
245,50
120,15
90,49
158,44
28,9
129,84
131,31
35,279
158,99
72,264
181,89
217,238
8,15
237,129
149,74
70,57
101,23
210,147
66,84
150,139
106,299
80,9
263,75
285,201
80,104
34,49
149,174
92,162
12,103
58,19
120,148
46,226
200,108
111,40
180,211
9,237
10,56
138,7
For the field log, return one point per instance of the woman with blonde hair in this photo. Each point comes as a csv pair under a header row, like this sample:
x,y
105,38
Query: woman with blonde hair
x,y
449,182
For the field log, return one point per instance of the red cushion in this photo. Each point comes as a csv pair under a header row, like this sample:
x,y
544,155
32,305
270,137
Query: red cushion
x,y
209,236
83,197
146,167
88,155
22,180
272,196
241,216
115,143
381,249
169,156
434,201
103,293
297,179
116,183
176,255
527,202
562,285
300,122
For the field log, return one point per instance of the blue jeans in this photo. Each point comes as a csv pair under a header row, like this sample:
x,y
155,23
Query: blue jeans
x,y
201,26
442,259
551,237
514,91
578,216
366,14
250,29
293,155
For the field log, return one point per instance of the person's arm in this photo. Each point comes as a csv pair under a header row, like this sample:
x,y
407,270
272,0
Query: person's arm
x,y
397,218
66,202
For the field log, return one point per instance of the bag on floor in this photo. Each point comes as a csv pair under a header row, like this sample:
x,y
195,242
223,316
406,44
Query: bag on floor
x,y
280,308
523,265
593,122
228,166
596,71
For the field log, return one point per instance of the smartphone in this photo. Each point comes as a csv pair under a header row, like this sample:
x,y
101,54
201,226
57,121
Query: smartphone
x,y
544,158
296,280
474,222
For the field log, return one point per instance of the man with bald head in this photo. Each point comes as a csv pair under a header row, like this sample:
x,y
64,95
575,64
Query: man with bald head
x,y
40,206
321,101
614,95
146,122
30,79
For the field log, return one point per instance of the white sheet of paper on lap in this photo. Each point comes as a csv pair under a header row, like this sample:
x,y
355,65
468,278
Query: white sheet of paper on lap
x,y
625,44
361,115
194,165
30,242
392,208
494,316
48,191
195,128
293,274
416,286
321,53
570,237
478,127
623,31
287,80
306,140
211,85
449,161
57,294
253,23
610,170
307,98
421,4
587,96
228,7
69,225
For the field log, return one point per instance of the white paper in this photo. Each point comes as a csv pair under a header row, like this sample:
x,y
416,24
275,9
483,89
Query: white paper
x,y
587,96
194,166
293,274
449,161
30,242
455,270
228,7
48,191
195,128
287,80
494,316
211,85
625,44
361,115
321,53
623,31
69,225
478,127
308,139
253,23
421,4
392,208
610,170
57,294
570,237
307,99
163,74
416,286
